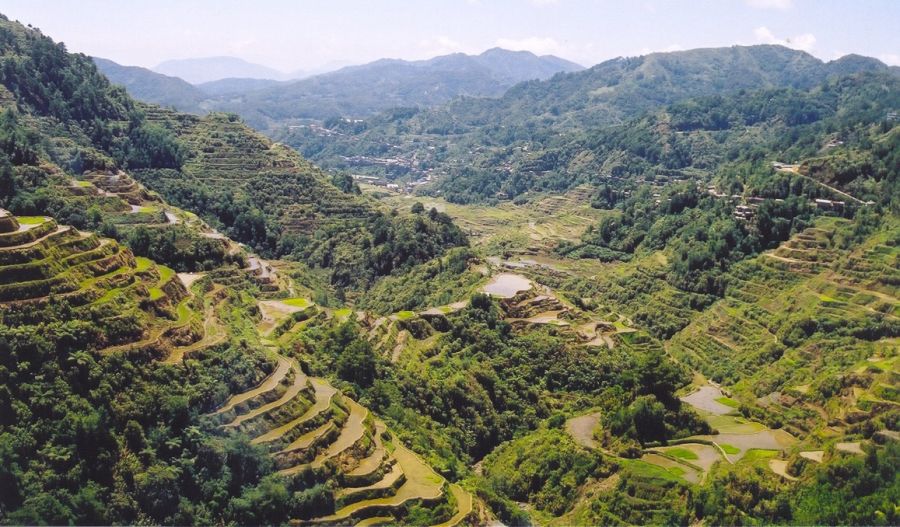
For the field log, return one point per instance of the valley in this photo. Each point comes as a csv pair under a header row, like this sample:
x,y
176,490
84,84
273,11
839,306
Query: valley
x,y
646,300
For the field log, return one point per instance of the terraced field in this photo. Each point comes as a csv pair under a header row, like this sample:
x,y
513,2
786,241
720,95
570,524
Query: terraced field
x,y
309,427
137,304
692,458
801,318
227,155
525,229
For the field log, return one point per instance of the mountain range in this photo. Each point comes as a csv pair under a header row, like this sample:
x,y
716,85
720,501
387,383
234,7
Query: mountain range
x,y
352,91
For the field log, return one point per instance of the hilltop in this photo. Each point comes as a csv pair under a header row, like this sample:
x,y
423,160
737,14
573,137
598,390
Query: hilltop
x,y
357,91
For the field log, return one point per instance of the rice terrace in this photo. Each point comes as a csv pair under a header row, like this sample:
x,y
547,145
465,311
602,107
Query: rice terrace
x,y
450,264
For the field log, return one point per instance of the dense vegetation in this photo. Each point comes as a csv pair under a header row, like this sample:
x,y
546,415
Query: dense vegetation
x,y
266,196
115,440
792,307
485,383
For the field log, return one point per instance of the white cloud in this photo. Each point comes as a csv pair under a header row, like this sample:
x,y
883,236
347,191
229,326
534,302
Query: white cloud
x,y
804,42
440,45
668,49
770,4
536,45
891,59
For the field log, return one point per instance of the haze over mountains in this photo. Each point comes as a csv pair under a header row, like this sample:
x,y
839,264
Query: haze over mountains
x,y
354,91
207,69
150,86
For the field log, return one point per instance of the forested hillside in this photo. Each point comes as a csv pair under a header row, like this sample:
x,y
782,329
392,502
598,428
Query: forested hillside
x,y
687,319
133,393
358,91
351,92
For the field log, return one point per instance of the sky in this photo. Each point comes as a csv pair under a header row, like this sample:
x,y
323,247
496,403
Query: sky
x,y
312,34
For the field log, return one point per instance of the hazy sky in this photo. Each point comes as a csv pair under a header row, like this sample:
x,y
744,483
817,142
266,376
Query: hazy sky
x,y
304,34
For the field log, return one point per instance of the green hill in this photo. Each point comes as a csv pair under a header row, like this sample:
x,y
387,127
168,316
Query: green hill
x,y
265,195
124,370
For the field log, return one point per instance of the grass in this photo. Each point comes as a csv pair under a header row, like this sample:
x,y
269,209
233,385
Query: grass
x,y
676,471
682,453
729,449
728,401
142,264
31,220
729,424
148,210
405,315
342,313
648,470
184,311
165,274
79,183
755,455
156,293
302,303
109,295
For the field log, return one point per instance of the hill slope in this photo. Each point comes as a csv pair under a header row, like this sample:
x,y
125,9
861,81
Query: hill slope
x,y
165,373
149,86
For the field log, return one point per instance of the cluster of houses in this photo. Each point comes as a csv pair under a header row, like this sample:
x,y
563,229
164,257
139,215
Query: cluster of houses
x,y
745,207
406,187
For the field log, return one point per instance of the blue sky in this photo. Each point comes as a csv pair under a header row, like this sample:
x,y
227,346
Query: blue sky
x,y
306,34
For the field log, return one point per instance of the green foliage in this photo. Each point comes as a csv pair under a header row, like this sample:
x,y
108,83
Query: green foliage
x,y
720,105
853,490
118,436
434,283
180,248
545,469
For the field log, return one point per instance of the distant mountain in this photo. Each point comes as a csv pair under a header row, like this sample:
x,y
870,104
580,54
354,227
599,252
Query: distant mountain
x,y
369,88
518,66
535,126
207,69
233,86
153,87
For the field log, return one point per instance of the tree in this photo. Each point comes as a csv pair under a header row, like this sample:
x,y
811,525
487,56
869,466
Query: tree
x,y
356,363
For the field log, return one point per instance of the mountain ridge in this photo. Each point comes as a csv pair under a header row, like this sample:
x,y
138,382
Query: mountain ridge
x,y
206,69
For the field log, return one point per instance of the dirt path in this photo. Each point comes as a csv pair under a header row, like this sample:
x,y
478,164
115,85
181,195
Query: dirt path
x,y
794,169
